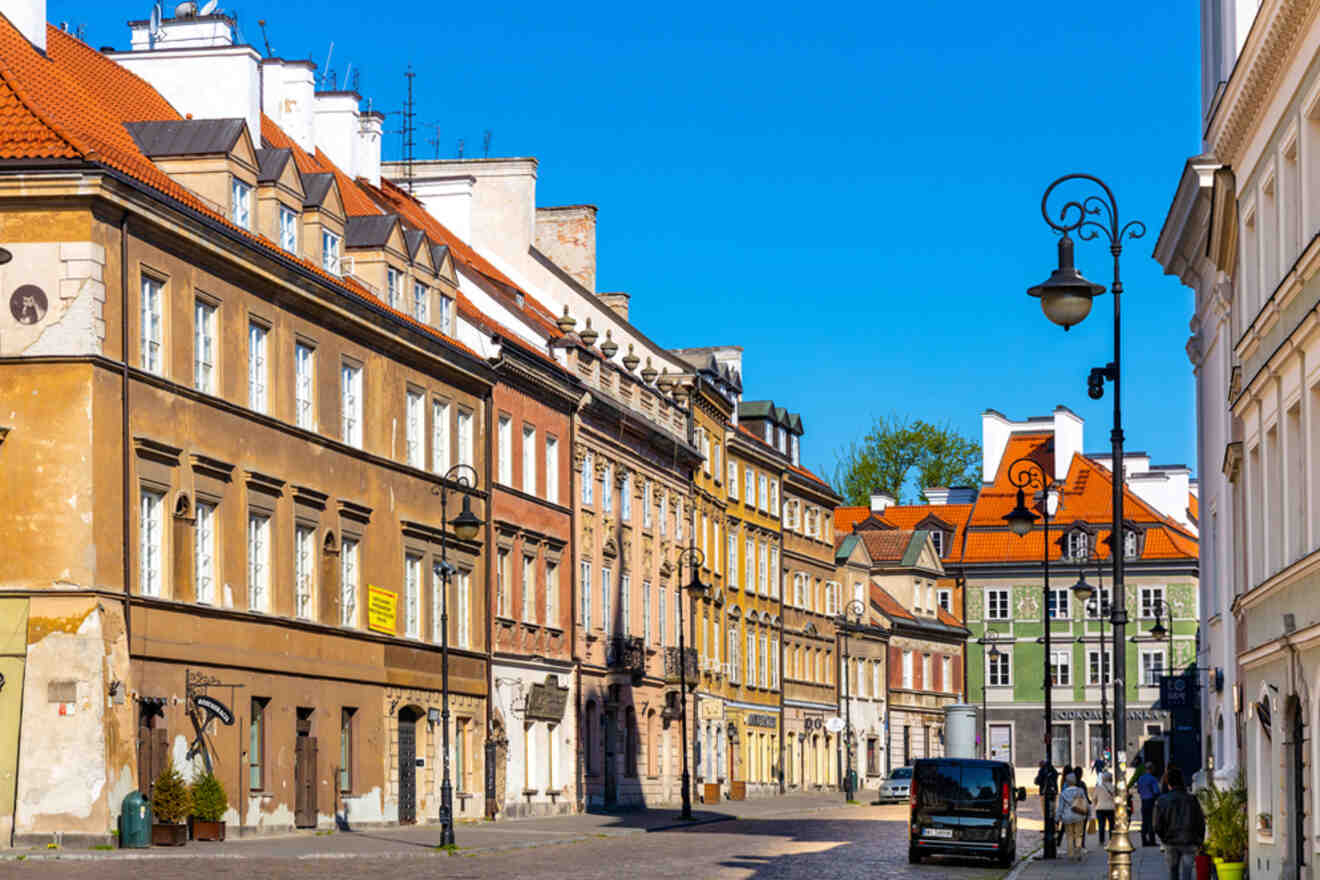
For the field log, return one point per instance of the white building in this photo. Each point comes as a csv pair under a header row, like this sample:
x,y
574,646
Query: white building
x,y
1241,234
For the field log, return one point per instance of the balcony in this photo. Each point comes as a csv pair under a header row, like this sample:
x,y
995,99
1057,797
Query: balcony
x,y
673,670
626,654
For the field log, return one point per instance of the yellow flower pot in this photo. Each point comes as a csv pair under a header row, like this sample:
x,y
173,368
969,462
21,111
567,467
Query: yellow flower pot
x,y
1229,870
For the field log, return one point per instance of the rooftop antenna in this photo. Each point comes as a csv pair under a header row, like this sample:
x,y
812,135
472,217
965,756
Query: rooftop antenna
x,y
348,71
261,23
357,78
409,122
326,69
460,148
435,141
209,7
485,145
154,30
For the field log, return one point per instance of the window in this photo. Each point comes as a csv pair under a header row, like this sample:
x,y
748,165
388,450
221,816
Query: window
x,y
664,512
447,315
646,504
257,367
907,669
1058,604
606,623
348,582
733,560
346,716
1096,609
749,563
204,553
646,613
999,669
925,672
505,439
945,599
419,302
1061,667
529,459
774,572
664,629
552,595
551,469
529,589
416,429
876,691
204,346
393,283
678,519
465,455
733,479
588,479
751,657
930,598
1152,667
703,443
749,487
257,744
288,230
937,540
412,596
1078,544
762,673
774,497
625,603
625,500
440,460
996,604
1152,601
607,489
1094,674
152,329
240,203
330,252
304,366
762,492
350,381
304,572
716,465
152,538
1131,543
503,592
462,608
258,562
585,593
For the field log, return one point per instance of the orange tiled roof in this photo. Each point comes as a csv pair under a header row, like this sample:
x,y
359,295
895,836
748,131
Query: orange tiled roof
x,y
847,517
73,103
911,516
946,618
886,545
1086,497
889,606
1194,508
809,475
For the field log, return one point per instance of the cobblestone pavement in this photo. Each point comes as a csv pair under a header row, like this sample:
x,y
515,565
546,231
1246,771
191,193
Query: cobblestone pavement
x,y
835,842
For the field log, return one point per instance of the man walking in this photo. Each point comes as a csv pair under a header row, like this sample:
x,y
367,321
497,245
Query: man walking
x,y
1148,789
1180,824
1047,784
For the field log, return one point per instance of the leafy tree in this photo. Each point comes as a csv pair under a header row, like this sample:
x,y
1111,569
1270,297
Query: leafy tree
x,y
170,798
895,450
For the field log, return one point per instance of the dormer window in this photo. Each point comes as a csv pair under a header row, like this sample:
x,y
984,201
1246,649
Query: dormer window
x,y
1077,544
241,204
392,284
447,315
419,302
330,252
937,538
1131,544
288,230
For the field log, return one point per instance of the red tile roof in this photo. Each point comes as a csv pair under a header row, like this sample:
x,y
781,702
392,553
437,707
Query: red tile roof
x,y
809,475
886,545
914,516
889,606
847,517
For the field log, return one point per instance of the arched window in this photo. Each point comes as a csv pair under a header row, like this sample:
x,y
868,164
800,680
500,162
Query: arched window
x,y
1078,544
589,726
1264,758
1131,543
630,743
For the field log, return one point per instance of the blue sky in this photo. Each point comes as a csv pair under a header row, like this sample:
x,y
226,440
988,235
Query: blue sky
x,y
851,192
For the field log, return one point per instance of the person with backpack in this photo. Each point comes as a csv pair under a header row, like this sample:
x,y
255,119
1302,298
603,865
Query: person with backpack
x,y
1180,824
1072,813
1104,805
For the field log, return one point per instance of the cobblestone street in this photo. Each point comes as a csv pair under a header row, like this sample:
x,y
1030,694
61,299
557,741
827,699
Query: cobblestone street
x,y
808,842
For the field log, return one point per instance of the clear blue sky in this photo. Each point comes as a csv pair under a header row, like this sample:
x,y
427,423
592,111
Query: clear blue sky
x,y
849,191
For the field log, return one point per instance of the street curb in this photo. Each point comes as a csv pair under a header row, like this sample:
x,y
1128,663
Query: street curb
x,y
1022,863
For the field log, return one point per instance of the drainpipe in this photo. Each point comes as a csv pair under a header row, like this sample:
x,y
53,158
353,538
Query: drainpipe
x,y
490,568
779,588
574,568
125,460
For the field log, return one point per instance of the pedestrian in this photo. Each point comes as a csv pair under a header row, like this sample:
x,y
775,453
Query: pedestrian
x,y
1180,824
1081,783
1072,813
1098,767
1046,784
1104,805
1148,789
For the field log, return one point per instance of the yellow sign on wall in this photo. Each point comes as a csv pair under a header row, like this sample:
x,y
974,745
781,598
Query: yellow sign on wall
x,y
382,608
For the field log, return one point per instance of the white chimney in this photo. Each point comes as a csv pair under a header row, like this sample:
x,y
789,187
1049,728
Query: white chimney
x,y
29,17
370,126
448,198
1067,439
995,428
338,127
193,62
289,98
880,501
936,494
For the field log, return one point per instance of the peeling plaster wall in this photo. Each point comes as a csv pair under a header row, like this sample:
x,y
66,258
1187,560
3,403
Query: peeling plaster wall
x,y
512,686
66,312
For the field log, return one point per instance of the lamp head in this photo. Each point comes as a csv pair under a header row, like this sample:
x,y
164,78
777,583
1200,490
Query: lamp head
x,y
1158,630
1066,295
1083,590
466,525
1020,519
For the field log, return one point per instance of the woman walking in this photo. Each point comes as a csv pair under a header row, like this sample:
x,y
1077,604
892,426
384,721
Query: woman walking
x,y
1104,805
1072,813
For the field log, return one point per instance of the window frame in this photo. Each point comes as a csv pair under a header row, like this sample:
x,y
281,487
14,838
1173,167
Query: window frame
x,y
331,259
258,366
240,203
151,541
1007,611
289,230
304,385
205,319
151,324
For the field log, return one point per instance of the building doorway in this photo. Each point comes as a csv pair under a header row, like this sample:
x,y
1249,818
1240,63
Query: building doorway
x,y
1296,757
408,765
1001,742
610,721
304,772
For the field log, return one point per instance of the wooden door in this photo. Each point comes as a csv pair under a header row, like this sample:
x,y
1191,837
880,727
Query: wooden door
x,y
611,766
153,751
407,770
304,780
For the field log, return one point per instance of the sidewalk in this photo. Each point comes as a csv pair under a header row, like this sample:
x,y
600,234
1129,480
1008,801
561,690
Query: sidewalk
x,y
471,836
1147,864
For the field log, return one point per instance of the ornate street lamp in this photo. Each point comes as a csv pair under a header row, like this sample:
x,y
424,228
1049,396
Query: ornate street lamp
x,y
854,609
695,560
993,655
1027,473
465,526
1096,217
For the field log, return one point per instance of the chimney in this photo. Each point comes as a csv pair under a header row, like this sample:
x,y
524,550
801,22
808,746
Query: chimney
x,y
880,501
618,302
447,198
370,125
1067,439
289,98
337,128
29,17
936,494
995,428
567,235
193,62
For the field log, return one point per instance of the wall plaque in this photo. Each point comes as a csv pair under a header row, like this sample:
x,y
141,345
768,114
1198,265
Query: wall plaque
x,y
546,702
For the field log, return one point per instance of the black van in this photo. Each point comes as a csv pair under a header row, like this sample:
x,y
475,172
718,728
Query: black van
x,y
962,806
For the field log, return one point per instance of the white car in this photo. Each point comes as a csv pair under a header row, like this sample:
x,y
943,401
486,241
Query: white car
x,y
895,788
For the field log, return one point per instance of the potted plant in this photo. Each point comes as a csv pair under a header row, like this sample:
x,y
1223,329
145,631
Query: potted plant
x,y
1226,827
170,804
209,803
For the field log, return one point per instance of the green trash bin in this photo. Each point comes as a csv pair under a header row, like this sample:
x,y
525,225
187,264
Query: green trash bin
x,y
135,821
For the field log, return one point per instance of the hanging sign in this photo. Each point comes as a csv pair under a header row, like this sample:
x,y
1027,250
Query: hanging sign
x,y
382,609
214,709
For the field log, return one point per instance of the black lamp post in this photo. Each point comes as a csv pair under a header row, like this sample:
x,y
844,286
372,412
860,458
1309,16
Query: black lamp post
x,y
1066,299
993,655
695,559
1159,610
1027,473
465,526
854,609
1094,604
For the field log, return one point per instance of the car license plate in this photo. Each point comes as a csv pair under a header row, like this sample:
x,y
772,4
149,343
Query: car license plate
x,y
938,832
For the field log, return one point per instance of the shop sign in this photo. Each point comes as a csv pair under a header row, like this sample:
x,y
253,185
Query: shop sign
x,y
546,702
382,609
1096,715
711,710
214,709
756,720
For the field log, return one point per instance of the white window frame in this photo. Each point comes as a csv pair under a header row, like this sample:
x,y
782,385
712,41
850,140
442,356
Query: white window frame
x,y
348,582
152,325
1059,604
304,572
1149,595
288,230
393,277
204,545
646,613
529,459
762,493
504,436
662,618
551,584
462,606
908,670
330,243
258,545
625,602
258,367
1147,668
304,385
647,500
415,428
606,583
350,404
588,478
1000,669
441,456
944,599
733,479
1099,666
446,315
529,588
420,299
240,203
204,321
412,595
552,468
585,593
151,542
991,594
607,490
625,499
1061,666
465,437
